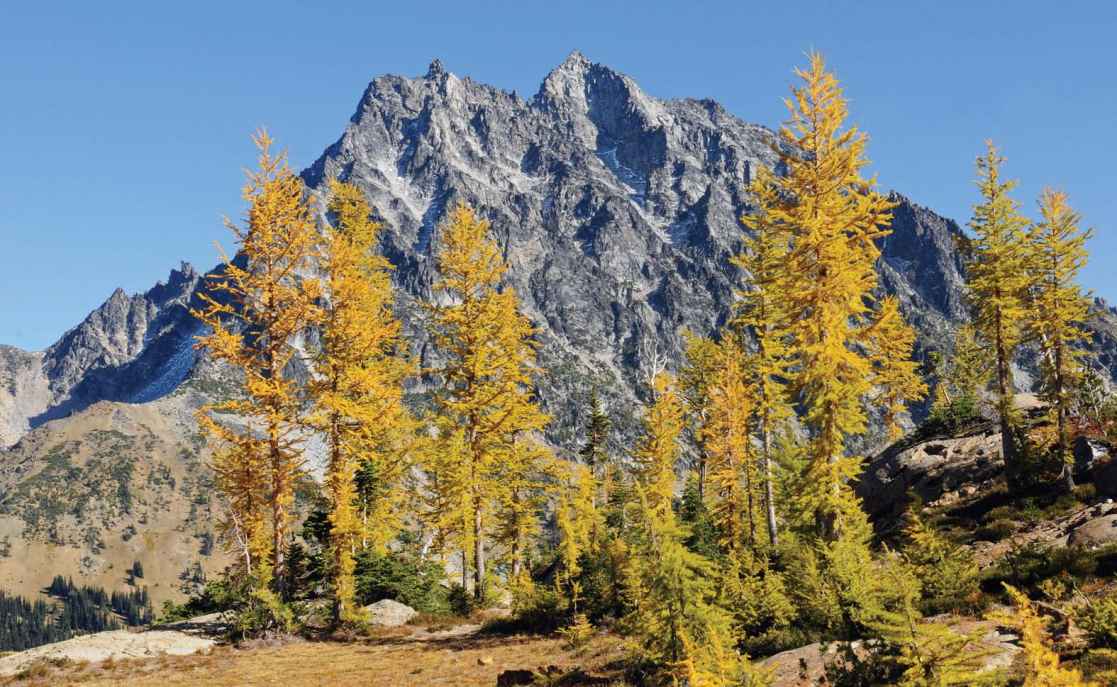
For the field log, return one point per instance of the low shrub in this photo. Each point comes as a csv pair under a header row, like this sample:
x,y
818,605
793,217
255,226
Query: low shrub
x,y
1028,565
995,530
541,610
1099,620
403,578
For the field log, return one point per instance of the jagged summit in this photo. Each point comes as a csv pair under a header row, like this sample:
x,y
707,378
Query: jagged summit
x,y
435,70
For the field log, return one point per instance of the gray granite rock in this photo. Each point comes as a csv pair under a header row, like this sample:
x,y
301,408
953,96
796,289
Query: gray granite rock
x,y
389,613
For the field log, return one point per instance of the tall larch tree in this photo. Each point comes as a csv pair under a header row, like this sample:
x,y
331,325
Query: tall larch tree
x,y
763,312
728,441
256,310
486,401
658,449
832,217
526,477
358,388
896,378
1060,309
997,274
702,359
670,589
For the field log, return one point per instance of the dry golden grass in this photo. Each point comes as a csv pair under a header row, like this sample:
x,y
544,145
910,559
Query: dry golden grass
x,y
381,662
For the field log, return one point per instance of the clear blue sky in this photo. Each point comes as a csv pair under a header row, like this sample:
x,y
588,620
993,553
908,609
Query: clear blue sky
x,y
124,126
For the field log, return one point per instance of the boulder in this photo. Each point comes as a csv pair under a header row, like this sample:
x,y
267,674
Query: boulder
x,y
930,468
1096,531
1088,455
808,665
514,678
389,613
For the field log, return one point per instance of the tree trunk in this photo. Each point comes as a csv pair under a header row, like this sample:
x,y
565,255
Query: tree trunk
x,y
1061,422
278,529
1005,397
769,496
340,611
478,555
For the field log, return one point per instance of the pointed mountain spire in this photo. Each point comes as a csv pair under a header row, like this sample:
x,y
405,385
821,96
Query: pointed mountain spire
x,y
436,70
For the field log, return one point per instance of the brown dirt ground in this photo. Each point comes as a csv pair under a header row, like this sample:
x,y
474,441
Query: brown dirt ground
x,y
461,661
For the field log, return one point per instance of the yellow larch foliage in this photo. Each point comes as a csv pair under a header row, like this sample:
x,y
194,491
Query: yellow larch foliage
x,y
526,479
896,378
485,401
658,450
358,387
929,653
1060,309
579,522
255,310
831,217
1041,663
763,312
731,459
702,355
997,275
675,616
964,374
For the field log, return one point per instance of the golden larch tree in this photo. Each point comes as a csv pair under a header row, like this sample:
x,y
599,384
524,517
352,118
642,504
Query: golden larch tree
x,y
896,378
763,312
485,402
832,217
358,387
963,375
1041,663
694,381
1060,309
658,449
727,437
997,275
257,309
578,522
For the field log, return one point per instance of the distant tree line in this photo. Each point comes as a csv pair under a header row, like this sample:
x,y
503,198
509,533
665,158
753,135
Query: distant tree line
x,y
79,610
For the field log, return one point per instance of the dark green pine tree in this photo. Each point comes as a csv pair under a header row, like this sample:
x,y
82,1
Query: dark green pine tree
x,y
595,452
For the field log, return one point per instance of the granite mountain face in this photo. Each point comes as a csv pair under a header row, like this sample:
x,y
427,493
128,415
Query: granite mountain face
x,y
618,214
130,349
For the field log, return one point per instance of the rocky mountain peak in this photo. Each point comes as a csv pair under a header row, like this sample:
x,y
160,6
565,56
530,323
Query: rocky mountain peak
x,y
599,104
617,212
435,70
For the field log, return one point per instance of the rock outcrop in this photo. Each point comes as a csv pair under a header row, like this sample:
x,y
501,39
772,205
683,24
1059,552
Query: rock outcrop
x,y
102,646
389,613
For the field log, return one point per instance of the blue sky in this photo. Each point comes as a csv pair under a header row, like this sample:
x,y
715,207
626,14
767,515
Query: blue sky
x,y
124,126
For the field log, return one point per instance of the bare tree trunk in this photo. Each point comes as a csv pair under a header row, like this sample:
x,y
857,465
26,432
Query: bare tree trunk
x,y
278,529
769,495
478,554
1005,397
1061,422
